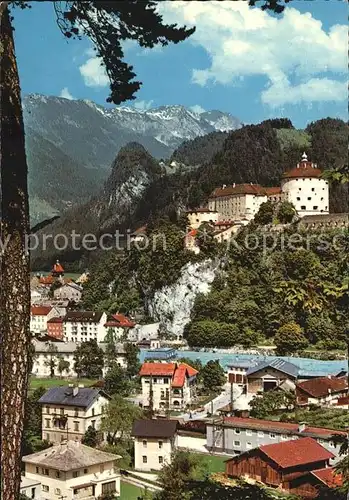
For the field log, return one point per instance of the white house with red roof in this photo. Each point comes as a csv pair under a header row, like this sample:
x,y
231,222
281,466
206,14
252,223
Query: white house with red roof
x,y
39,315
120,325
173,385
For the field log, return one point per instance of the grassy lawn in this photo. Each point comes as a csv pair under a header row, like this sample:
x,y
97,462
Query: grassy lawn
x,y
212,463
56,382
129,491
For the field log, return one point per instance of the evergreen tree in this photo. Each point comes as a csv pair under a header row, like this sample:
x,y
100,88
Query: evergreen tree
x,y
89,360
110,349
91,437
132,360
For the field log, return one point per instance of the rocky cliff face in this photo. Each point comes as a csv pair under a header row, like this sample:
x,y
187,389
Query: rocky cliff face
x,y
172,305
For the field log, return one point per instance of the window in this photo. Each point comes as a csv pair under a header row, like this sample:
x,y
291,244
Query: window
x,y
101,468
37,470
45,472
160,444
57,491
315,207
272,435
47,423
248,444
62,411
85,471
298,198
260,434
144,458
75,473
161,460
237,431
145,444
76,412
249,432
33,493
76,426
237,443
309,197
303,207
284,437
93,424
45,488
331,444
47,410
58,474
108,487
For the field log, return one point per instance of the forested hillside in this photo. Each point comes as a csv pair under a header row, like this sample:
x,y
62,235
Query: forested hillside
x,y
138,193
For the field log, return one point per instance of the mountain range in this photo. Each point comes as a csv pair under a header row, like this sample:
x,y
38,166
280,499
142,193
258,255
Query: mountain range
x,y
71,145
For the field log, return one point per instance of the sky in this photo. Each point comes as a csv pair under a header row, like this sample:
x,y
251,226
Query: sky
x,y
252,64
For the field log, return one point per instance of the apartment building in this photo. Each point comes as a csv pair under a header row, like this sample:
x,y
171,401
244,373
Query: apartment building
x,y
68,411
235,435
39,315
81,326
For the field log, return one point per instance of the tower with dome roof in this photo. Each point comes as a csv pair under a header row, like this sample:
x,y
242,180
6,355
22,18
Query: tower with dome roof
x,y
306,189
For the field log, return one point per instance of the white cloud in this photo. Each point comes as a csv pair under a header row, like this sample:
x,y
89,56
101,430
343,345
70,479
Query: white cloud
x,y
197,109
241,42
143,105
66,94
94,73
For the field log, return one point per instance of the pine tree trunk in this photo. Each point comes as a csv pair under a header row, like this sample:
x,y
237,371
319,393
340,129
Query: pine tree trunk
x,y
14,266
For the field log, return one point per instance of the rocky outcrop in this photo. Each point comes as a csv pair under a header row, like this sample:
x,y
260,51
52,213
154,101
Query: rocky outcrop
x,y
172,305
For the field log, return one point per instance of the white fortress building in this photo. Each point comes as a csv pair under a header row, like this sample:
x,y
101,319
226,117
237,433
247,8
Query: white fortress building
x,y
303,186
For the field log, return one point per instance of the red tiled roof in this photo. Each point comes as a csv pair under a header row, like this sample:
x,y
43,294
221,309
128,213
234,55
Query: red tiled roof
x,y
55,320
320,387
40,310
296,452
224,223
255,189
177,372
46,280
303,169
328,477
272,190
57,268
287,427
122,320
164,369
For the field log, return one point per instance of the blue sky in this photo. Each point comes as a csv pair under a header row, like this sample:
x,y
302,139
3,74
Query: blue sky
x,y
241,60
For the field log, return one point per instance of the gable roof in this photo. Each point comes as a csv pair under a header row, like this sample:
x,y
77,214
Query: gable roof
x,y
120,320
83,316
296,452
40,310
154,428
177,371
277,364
69,456
281,427
328,477
322,386
64,396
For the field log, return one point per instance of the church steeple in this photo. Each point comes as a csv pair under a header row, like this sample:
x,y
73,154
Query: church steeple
x,y
57,270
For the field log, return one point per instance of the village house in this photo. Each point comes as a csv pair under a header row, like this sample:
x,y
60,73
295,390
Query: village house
x,y
119,325
154,441
68,411
31,488
199,216
148,344
269,375
69,291
81,326
72,470
39,315
281,465
235,435
309,485
322,391
172,385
